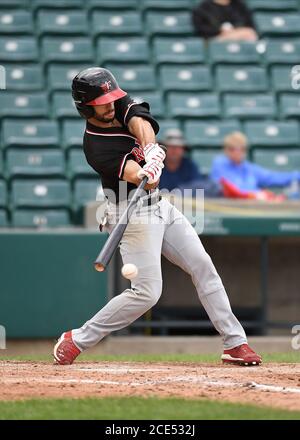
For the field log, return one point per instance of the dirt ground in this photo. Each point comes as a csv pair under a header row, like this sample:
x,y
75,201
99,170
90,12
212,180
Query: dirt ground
x,y
274,385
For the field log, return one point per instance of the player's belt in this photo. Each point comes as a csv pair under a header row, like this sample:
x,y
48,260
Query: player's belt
x,y
147,200
150,200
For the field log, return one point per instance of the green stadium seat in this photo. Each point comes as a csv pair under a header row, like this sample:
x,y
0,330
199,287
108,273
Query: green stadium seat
x,y
116,23
134,77
123,50
276,5
14,4
185,105
277,24
1,164
42,193
155,100
15,21
3,193
204,160
40,218
33,104
18,49
35,163
63,105
282,52
3,219
78,166
74,49
284,160
233,52
62,21
165,4
209,134
241,79
85,191
285,78
60,76
72,133
289,105
165,125
25,77
273,133
177,50
30,133
50,4
170,23
185,77
249,106
113,5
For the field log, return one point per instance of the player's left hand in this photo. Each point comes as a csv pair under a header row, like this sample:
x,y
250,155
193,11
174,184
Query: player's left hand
x,y
152,170
154,152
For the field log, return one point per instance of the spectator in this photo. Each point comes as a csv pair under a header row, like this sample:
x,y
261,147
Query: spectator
x,y
243,179
181,172
224,20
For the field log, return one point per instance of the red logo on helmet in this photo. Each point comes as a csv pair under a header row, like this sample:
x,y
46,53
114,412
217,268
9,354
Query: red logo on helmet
x,y
106,86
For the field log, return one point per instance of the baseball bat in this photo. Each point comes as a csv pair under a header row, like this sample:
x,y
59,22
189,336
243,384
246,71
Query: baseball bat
x,y
115,236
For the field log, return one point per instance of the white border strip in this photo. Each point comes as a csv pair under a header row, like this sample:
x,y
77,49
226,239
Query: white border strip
x,y
111,134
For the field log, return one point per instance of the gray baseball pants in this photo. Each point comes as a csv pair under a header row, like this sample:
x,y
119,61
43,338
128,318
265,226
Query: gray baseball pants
x,y
152,231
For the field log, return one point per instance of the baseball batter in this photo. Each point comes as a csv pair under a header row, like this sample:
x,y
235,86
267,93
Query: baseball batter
x,y
120,144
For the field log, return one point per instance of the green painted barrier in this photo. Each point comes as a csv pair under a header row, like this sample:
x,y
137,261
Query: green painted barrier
x,y
252,226
48,282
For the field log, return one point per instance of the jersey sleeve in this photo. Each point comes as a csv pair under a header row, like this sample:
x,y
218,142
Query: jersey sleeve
x,y
110,165
110,160
126,108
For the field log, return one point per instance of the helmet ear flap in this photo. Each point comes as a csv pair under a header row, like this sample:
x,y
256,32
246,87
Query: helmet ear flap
x,y
85,111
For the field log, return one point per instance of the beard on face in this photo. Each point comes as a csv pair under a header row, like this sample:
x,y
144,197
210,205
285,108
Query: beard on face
x,y
104,118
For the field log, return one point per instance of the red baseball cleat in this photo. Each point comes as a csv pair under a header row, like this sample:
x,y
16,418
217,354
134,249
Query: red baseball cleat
x,y
241,355
65,351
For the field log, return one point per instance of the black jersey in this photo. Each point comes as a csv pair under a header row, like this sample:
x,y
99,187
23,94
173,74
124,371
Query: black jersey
x,y
108,149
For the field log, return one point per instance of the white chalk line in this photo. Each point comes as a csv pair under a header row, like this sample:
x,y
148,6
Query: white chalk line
x,y
131,370
170,380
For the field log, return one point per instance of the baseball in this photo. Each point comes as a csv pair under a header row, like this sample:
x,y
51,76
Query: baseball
x,y
129,271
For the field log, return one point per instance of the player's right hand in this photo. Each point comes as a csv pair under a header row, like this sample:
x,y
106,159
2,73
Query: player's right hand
x,y
152,170
154,152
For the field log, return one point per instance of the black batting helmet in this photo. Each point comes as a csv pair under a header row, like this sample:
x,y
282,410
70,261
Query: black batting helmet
x,y
94,86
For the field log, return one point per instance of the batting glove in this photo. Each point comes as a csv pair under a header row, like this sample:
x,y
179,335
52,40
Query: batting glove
x,y
152,170
154,152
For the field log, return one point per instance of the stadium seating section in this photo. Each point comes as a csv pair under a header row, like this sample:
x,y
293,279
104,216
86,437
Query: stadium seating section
x,y
208,89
